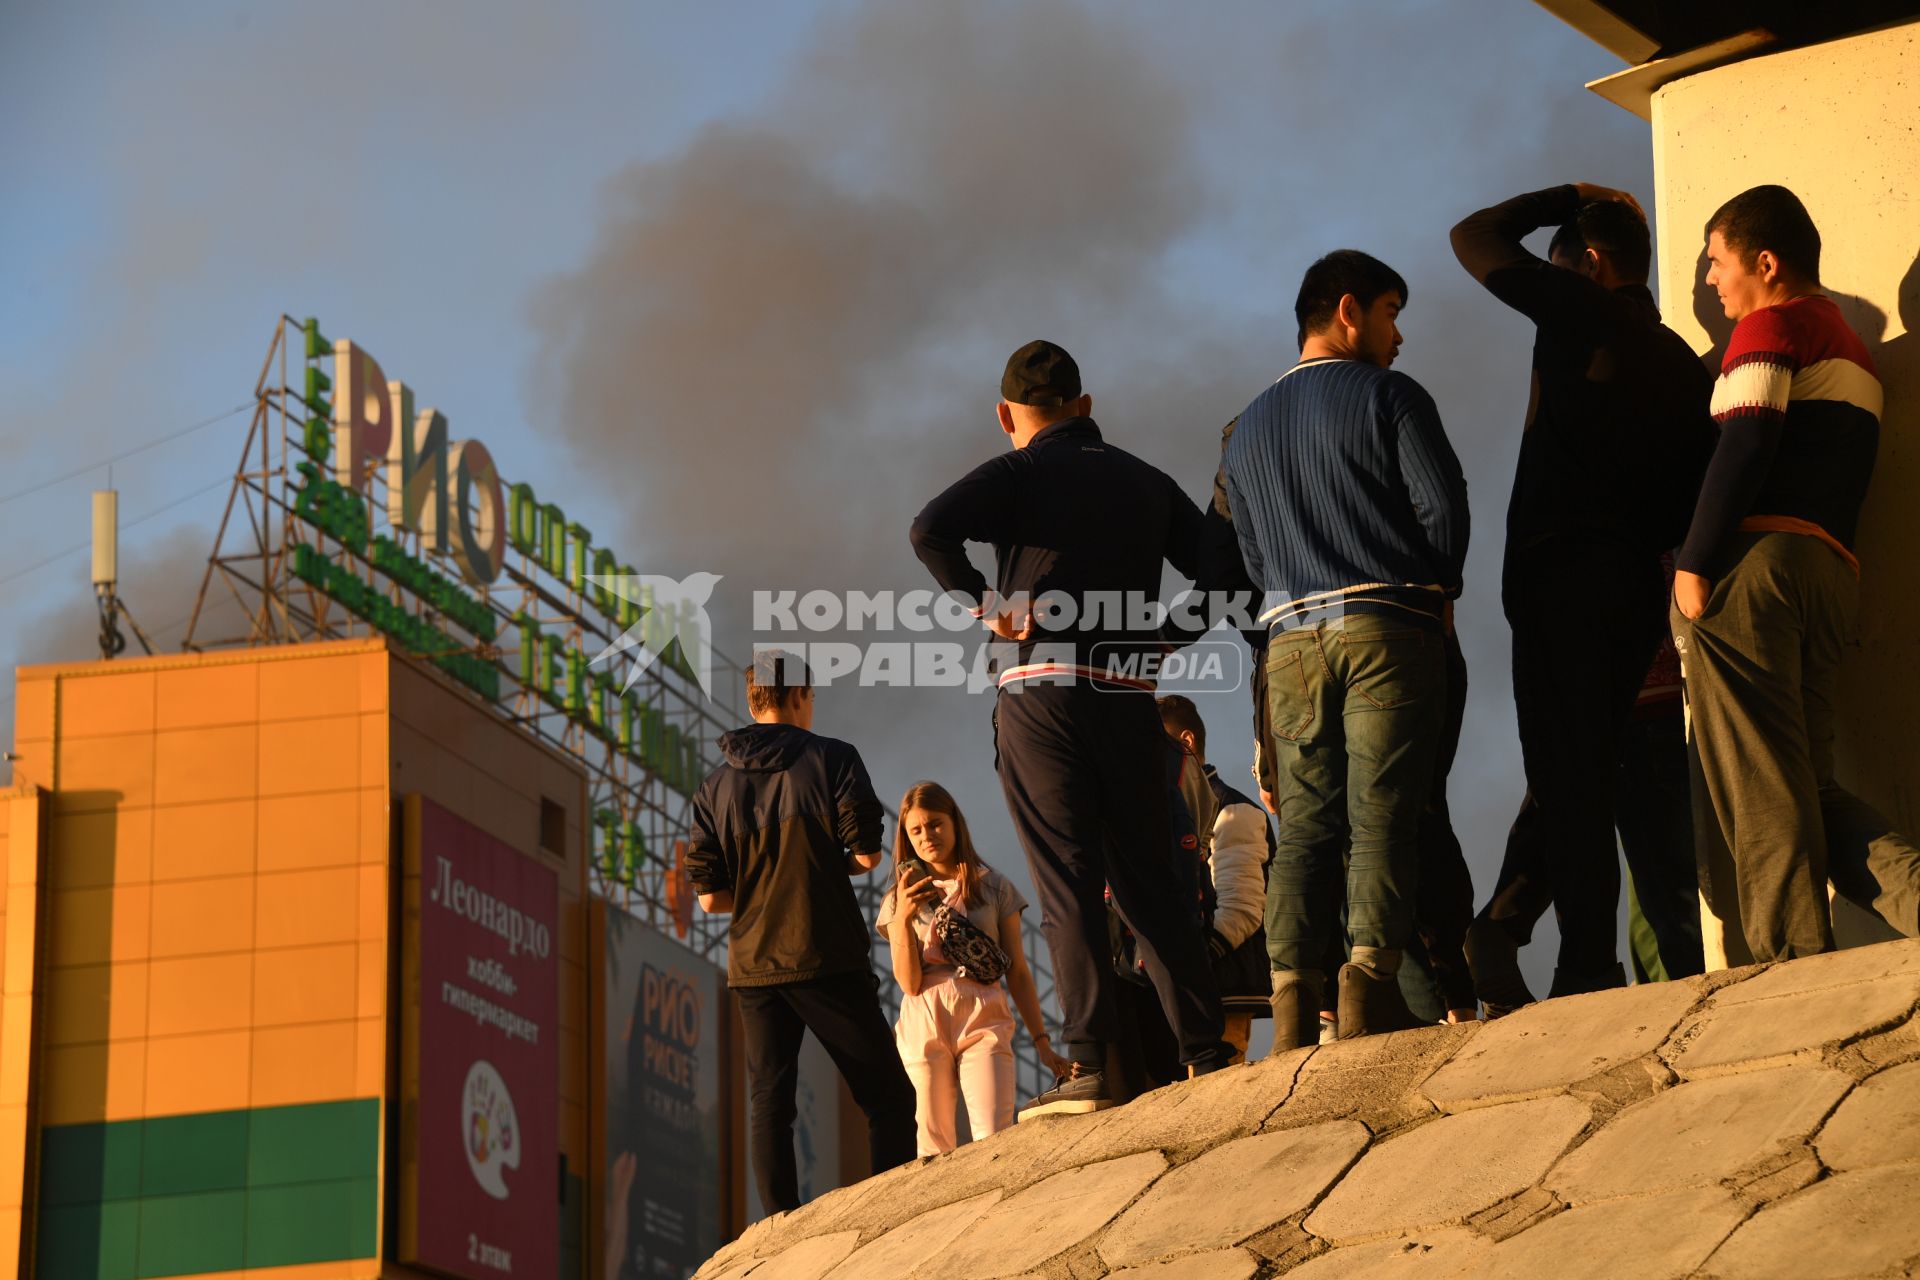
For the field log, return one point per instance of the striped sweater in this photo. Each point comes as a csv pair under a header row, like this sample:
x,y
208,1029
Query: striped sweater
x,y
1347,497
1798,405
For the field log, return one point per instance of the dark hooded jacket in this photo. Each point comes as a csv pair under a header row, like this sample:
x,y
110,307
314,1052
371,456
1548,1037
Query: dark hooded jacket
x,y
775,824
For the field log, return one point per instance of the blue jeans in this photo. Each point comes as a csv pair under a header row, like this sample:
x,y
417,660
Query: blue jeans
x,y
1356,708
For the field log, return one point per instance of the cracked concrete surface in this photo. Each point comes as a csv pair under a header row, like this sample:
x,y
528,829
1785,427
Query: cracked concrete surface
x,y
1699,1134
1753,1123
1447,1171
1235,1191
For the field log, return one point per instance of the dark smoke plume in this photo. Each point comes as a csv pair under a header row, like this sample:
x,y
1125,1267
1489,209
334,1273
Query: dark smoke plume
x,y
788,335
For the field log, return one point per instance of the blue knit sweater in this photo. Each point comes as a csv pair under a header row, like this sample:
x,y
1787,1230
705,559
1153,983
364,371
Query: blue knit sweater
x,y
1347,497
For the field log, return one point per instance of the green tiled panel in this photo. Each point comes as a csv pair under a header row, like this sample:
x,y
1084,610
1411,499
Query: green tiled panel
x,y
315,1222
218,1191
89,1163
322,1143
89,1241
184,1154
180,1235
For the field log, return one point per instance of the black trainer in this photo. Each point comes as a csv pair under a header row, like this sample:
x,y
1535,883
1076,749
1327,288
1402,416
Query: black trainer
x,y
1577,984
1208,1065
1071,1095
1493,957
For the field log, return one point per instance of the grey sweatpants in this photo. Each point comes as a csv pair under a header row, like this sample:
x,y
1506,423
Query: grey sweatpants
x,y
1760,665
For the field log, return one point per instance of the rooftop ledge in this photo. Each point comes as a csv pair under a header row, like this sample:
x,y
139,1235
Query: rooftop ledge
x,y
1634,88
1752,1123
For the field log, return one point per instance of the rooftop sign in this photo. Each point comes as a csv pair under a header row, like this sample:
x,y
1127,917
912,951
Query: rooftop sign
x,y
366,502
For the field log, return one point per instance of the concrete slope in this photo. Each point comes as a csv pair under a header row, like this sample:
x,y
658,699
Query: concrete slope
x,y
1755,1123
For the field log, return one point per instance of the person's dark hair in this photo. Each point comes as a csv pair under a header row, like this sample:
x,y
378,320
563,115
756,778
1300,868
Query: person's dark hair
x,y
1611,227
1342,272
1770,218
774,674
1178,713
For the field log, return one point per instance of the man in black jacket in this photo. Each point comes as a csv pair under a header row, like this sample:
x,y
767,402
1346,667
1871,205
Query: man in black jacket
x,y
777,830
1616,439
1078,742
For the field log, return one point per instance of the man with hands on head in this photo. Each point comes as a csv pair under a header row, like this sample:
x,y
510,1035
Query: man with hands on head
x,y
1615,440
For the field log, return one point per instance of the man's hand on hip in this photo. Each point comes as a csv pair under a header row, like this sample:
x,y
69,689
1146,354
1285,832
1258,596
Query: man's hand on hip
x,y
1010,624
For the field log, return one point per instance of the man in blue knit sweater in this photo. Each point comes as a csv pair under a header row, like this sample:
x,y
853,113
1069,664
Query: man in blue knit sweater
x,y
1351,512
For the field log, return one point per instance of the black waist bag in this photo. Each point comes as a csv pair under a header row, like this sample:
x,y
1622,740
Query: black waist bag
x,y
972,953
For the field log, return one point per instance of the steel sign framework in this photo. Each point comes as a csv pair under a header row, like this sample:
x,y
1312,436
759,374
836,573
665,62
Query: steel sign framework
x,y
308,558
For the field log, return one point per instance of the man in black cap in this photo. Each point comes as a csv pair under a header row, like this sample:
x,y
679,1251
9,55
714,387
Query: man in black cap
x,y
1078,740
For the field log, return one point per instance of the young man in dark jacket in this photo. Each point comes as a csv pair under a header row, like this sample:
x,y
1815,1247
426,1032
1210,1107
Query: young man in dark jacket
x,y
1616,438
1238,844
777,830
1079,748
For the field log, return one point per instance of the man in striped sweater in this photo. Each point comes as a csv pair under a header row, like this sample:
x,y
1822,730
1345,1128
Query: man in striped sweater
x,y
1766,590
1351,513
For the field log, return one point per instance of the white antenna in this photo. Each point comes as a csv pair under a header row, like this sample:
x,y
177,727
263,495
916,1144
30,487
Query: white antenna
x,y
106,540
106,575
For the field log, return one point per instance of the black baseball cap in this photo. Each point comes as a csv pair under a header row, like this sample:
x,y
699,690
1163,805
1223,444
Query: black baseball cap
x,y
1042,375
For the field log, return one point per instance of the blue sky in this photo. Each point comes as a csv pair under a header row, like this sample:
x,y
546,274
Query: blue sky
x,y
733,283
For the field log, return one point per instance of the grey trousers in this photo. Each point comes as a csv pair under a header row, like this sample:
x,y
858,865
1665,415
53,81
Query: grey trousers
x,y
1760,666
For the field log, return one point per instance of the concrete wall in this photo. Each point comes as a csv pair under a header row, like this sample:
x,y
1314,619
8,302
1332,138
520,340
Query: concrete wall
x,y
1839,123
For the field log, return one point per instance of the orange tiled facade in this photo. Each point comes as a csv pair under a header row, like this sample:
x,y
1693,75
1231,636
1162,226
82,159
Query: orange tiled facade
x,y
201,923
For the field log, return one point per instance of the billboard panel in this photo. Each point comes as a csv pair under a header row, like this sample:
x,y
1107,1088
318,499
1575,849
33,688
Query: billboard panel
x,y
481,1148
663,1110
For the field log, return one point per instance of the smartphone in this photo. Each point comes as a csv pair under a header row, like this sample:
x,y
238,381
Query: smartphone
x,y
914,868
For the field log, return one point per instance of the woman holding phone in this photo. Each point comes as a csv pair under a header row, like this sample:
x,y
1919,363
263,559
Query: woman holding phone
x,y
955,1031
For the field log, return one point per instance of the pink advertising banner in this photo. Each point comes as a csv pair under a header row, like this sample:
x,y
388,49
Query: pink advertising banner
x,y
484,1124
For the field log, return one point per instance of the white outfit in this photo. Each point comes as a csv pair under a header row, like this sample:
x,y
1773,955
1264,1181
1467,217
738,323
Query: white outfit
x,y
956,1036
1238,866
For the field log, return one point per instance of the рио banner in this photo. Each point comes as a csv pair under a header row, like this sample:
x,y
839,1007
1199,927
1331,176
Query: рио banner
x,y
663,1074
